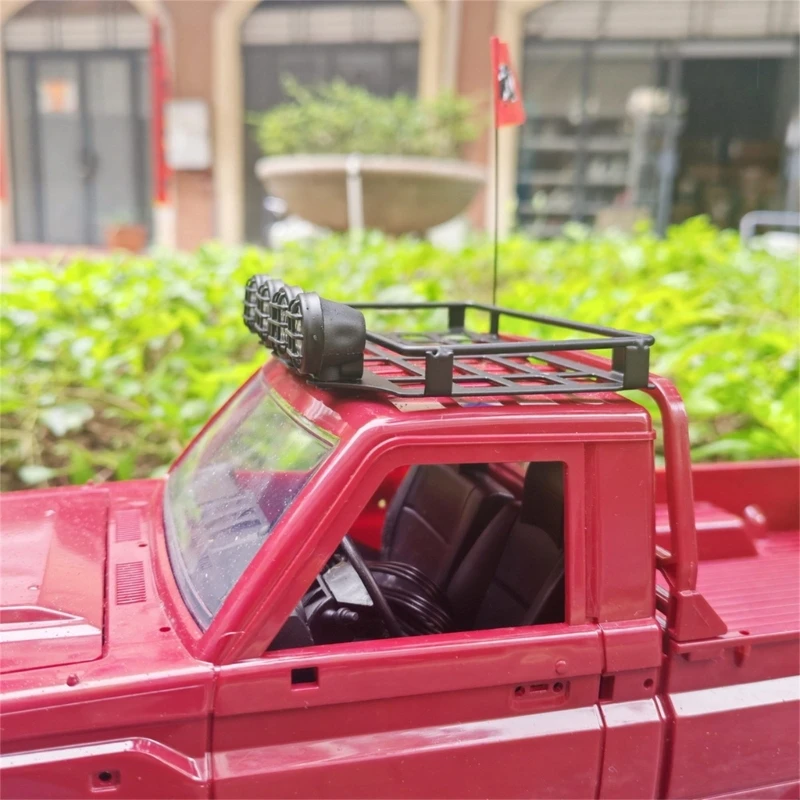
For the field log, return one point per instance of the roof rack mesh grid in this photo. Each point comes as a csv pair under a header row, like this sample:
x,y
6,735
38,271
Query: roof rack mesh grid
x,y
463,363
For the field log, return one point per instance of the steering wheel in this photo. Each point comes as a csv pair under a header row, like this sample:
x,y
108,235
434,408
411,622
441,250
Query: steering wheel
x,y
349,551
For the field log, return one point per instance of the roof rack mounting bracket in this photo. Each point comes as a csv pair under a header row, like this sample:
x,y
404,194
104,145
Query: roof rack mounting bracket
x,y
631,365
439,372
456,317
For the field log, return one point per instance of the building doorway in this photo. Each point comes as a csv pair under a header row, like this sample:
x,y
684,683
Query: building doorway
x,y
78,120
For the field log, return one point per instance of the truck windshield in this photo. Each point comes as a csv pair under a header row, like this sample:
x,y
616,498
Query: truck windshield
x,y
226,495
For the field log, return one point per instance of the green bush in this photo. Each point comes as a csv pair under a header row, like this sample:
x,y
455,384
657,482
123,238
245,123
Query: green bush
x,y
109,367
339,118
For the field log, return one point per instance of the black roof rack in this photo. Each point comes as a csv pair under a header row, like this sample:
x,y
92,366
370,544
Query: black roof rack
x,y
462,363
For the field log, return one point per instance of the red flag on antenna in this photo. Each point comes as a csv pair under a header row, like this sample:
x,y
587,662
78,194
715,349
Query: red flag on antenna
x,y
508,107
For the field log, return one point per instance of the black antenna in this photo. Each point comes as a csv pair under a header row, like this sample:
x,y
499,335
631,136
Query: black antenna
x,y
496,210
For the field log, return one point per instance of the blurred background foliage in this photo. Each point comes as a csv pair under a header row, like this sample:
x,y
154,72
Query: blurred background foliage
x,y
340,118
110,366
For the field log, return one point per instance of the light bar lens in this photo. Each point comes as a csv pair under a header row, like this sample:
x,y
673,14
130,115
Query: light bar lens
x,y
258,294
294,332
250,293
278,318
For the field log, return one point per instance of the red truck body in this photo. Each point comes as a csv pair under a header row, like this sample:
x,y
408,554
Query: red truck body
x,y
674,672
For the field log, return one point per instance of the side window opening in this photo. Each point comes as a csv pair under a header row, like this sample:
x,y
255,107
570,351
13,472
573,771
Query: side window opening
x,y
463,547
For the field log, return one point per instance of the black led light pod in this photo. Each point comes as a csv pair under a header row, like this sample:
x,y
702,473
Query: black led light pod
x,y
325,339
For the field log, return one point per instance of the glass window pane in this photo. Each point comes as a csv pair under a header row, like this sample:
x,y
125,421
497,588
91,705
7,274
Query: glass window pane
x,y
622,148
231,489
22,152
364,66
63,155
551,81
614,74
111,114
143,135
404,71
552,86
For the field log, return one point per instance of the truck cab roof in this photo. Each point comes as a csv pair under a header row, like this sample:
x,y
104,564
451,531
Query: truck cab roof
x,y
342,413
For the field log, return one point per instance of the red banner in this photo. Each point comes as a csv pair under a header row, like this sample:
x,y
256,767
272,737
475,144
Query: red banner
x,y
508,107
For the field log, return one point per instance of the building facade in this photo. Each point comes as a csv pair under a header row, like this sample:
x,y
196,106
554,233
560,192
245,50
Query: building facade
x,y
138,110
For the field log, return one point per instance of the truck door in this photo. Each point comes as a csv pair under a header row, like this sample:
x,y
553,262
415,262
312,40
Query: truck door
x,y
502,711
510,713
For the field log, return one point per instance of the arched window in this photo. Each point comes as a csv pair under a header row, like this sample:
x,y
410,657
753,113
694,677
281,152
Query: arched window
x,y
374,44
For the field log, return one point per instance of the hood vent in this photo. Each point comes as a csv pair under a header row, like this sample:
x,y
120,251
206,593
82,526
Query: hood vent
x,y
130,583
129,526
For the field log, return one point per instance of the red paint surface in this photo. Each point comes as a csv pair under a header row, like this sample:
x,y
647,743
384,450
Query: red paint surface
x,y
772,486
634,735
720,534
455,707
605,704
52,595
759,593
723,737
144,686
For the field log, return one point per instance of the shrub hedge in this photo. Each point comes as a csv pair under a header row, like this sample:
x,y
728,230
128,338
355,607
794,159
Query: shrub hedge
x,y
109,366
339,118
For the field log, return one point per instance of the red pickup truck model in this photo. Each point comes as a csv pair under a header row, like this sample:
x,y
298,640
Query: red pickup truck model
x,y
411,565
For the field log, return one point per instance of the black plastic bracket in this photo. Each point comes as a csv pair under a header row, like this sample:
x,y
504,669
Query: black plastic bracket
x,y
631,366
439,372
456,317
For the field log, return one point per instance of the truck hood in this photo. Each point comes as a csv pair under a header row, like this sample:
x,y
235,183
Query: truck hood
x,y
52,577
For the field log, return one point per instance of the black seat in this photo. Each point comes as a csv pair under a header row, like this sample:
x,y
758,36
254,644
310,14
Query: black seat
x,y
436,516
514,574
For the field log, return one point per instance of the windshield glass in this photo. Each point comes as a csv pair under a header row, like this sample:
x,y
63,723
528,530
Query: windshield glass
x,y
229,491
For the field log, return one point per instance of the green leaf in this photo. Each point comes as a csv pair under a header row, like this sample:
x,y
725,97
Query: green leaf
x,y
80,467
126,467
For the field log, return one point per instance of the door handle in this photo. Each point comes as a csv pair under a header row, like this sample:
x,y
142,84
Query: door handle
x,y
544,694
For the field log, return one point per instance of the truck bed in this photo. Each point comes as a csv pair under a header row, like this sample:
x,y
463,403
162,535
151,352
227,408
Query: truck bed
x,y
746,518
757,594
